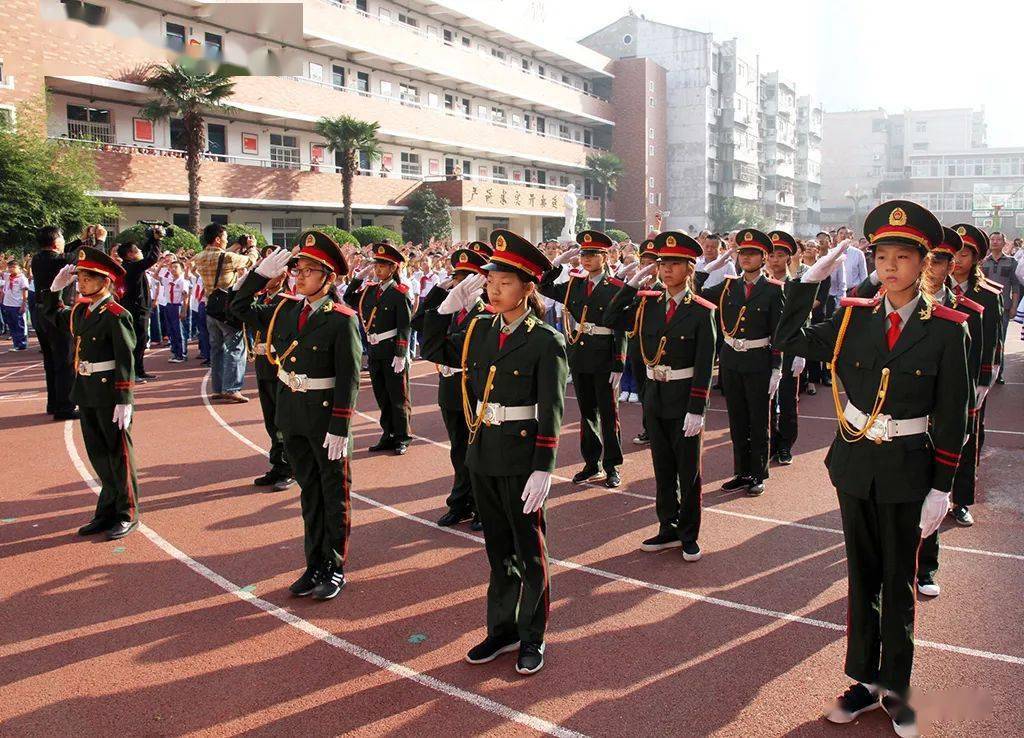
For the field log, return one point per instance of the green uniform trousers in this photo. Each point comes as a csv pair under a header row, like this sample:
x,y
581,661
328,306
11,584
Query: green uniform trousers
x,y
325,486
749,408
677,476
111,455
600,442
268,389
391,390
460,500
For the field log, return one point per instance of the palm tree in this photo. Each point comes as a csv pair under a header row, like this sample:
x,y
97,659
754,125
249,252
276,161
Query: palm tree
x,y
186,92
605,170
349,137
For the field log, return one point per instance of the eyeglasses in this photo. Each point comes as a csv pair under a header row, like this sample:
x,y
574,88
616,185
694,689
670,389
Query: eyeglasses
x,y
305,272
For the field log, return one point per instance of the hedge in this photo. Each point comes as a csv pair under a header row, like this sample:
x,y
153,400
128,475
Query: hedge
x,y
182,238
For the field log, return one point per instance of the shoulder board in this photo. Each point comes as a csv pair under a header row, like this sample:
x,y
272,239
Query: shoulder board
x,y
114,308
289,296
340,307
994,287
860,302
971,304
615,281
779,282
403,288
649,293
994,284
487,315
577,274
947,313
706,303
730,276
489,309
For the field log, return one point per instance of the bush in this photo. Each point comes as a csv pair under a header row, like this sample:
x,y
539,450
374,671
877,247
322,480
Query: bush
x,y
182,239
616,235
237,229
427,217
340,236
376,234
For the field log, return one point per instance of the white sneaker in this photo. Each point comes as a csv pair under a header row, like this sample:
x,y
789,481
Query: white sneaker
x,y
623,396
928,589
634,397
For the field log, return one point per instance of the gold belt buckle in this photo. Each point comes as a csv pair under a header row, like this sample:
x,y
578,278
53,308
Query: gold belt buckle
x,y
739,344
588,328
85,368
879,430
490,414
660,374
372,339
296,383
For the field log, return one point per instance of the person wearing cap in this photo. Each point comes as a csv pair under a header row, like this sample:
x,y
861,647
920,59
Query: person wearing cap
x,y
676,333
902,361
785,423
312,338
385,311
103,337
280,476
136,299
1000,269
597,353
513,393
750,367
648,256
466,262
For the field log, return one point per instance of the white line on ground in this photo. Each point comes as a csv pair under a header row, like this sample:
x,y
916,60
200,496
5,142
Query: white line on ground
x,y
22,369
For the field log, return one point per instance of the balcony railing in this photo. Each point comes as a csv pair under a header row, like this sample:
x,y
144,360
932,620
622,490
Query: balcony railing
x,y
351,8
101,132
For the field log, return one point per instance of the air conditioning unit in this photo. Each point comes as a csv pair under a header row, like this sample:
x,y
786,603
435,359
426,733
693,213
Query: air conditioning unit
x,y
718,112
876,157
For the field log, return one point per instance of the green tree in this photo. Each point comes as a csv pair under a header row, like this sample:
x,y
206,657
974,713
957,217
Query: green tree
x,y
605,169
582,219
179,239
427,216
731,213
376,234
349,137
45,183
616,235
186,92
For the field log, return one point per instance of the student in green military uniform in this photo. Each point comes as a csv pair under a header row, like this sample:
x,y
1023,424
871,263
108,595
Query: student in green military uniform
x,y
279,477
513,388
648,256
596,352
749,367
104,339
466,262
676,330
385,313
313,339
902,361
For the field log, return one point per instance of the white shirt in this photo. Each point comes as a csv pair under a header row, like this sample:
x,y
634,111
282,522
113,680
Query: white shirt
x,y
719,275
904,312
855,267
163,279
13,287
198,294
176,289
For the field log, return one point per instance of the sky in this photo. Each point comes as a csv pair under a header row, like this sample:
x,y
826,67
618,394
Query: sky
x,y
891,54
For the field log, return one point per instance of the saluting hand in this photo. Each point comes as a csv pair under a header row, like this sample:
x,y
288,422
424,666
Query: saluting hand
x,y
276,263
565,256
720,262
364,272
64,277
827,264
641,274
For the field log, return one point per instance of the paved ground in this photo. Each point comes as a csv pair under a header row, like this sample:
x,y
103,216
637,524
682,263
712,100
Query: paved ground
x,y
186,626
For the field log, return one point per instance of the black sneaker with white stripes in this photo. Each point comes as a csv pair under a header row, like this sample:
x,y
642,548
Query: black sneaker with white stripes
x,y
904,719
531,658
853,703
332,581
304,585
491,648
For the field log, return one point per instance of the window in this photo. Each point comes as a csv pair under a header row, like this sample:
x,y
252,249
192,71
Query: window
x,y
563,130
364,162
446,34
588,139
517,122
385,88
650,150
363,81
284,231
410,165
650,86
921,126
650,133
180,220
482,112
221,219
316,72
174,36
499,172
284,152
466,41
526,65
361,5
407,19
337,75
627,39
433,101
878,125
650,101
408,93
90,124
88,13
498,115
921,146
8,116
650,181
178,137
499,54
214,47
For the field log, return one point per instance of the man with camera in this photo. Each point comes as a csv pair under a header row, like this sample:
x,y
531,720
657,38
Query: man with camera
x,y
219,267
135,300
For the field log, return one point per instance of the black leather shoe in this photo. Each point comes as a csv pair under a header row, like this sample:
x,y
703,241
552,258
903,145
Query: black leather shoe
x,y
332,581
283,483
756,488
491,648
1000,381
453,517
736,484
691,552
305,584
612,479
588,473
121,528
476,525
96,525
266,480
667,539
531,658
73,415
853,703
386,443
785,457
146,375
401,448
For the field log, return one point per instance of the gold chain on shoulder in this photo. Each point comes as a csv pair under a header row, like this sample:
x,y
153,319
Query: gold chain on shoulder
x,y
846,430
474,423
368,323
721,312
661,343
575,335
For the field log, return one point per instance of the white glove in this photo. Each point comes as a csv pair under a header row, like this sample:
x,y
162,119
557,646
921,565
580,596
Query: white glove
x,y
564,257
364,272
64,277
398,364
122,416
773,383
718,263
536,491
337,446
692,424
935,507
799,363
626,269
616,379
641,274
827,264
275,263
980,394
462,295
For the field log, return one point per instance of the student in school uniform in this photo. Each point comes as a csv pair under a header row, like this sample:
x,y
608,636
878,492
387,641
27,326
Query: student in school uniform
x,y
174,288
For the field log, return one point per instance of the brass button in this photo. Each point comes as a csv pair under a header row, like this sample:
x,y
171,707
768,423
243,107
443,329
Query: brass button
x,y
856,364
293,359
742,319
523,433
103,379
94,338
918,372
314,348
325,403
515,372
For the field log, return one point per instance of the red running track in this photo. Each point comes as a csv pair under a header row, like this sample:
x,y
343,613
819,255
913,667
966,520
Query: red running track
x,y
185,627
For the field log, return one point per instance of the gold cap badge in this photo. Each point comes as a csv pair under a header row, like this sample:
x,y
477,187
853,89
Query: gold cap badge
x,y
898,217
499,243
382,250
311,240
961,231
670,241
587,238
81,254
463,258
748,236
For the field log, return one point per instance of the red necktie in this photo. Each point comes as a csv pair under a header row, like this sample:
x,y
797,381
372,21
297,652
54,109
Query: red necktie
x,y
304,315
379,292
461,316
590,288
892,335
671,310
959,292
749,287
501,340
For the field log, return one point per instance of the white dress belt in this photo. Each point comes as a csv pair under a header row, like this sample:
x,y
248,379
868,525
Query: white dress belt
x,y
375,338
590,329
260,349
448,371
302,383
495,414
85,368
662,373
885,428
743,344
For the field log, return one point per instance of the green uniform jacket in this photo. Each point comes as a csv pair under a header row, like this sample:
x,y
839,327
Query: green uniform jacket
x,y
449,389
990,298
758,320
529,370
264,368
104,334
391,310
689,342
927,377
590,353
328,346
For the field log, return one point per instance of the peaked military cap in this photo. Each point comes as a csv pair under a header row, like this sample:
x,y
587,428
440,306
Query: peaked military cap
x,y
973,237
468,260
481,248
782,240
594,241
513,253
387,252
903,222
94,260
323,249
676,245
751,238
951,243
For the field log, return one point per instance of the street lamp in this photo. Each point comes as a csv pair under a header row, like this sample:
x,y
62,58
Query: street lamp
x,y
855,195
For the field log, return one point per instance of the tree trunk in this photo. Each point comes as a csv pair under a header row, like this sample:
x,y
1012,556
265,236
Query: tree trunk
x,y
604,203
194,146
347,173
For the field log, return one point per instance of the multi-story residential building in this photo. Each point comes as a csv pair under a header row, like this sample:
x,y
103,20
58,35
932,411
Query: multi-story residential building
x,y
778,150
808,166
500,122
739,131
866,151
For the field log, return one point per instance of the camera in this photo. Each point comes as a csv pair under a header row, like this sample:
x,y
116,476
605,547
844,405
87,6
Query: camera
x,y
151,225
